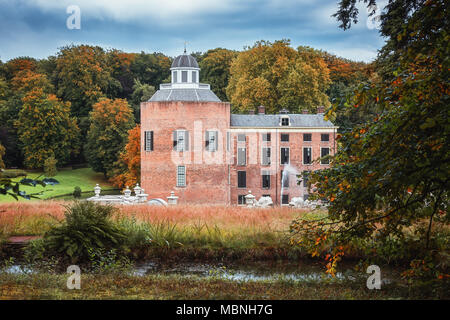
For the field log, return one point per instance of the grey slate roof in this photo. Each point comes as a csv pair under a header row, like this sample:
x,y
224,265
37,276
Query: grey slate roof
x,y
184,60
273,120
185,95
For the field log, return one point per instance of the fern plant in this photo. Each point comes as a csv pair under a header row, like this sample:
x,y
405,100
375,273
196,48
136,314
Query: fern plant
x,y
87,226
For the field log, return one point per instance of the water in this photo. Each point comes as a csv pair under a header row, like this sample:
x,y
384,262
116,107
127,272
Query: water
x,y
253,272
261,271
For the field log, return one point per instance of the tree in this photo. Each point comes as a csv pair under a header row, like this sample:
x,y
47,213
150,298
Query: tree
x,y
129,162
2,154
141,92
50,169
110,121
45,129
215,70
83,77
393,174
274,75
151,68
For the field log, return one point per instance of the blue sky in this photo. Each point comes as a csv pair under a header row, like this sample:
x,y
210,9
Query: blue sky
x,y
37,28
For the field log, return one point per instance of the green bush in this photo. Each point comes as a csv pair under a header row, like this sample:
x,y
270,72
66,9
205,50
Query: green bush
x,y
13,173
87,226
77,192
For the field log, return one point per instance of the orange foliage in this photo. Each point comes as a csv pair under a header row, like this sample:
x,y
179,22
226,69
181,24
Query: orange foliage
x,y
130,158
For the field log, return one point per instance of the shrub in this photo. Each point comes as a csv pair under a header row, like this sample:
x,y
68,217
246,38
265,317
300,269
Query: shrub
x,y
10,174
87,226
50,167
77,192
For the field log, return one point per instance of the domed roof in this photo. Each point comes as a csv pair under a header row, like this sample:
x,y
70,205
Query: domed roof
x,y
184,61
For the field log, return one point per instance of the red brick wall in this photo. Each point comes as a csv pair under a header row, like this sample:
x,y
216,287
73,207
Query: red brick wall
x,y
253,168
206,181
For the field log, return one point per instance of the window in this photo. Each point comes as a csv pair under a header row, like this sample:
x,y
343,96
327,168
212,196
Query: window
x,y
241,137
242,157
285,199
265,161
285,121
266,180
307,155
180,140
241,199
284,155
324,137
284,137
284,179
184,76
242,179
305,178
181,176
174,76
307,137
194,76
323,153
266,137
211,140
148,143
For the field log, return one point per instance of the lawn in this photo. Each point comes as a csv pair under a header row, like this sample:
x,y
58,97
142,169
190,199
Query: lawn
x,y
68,179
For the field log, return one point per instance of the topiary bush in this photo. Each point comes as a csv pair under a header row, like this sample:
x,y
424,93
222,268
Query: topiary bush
x,y
87,226
77,192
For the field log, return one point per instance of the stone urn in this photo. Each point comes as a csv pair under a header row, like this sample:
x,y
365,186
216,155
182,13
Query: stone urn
x,y
97,190
127,192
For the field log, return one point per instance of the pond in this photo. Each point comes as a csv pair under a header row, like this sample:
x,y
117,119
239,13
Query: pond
x,y
254,271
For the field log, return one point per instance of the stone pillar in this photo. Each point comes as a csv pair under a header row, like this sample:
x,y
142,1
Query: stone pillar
x,y
172,199
250,199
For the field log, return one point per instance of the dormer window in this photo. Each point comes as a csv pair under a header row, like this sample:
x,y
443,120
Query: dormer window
x,y
285,121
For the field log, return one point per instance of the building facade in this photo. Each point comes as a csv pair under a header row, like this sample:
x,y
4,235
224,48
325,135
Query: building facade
x,y
191,144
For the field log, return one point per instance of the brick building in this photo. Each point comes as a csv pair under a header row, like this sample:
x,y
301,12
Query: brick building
x,y
193,145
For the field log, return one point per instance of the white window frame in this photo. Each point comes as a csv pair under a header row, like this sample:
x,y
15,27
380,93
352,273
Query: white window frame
x,y
148,141
262,156
183,182
289,156
181,134
303,156
329,149
238,163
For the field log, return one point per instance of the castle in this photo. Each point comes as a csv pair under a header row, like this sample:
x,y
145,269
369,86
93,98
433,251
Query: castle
x,y
193,145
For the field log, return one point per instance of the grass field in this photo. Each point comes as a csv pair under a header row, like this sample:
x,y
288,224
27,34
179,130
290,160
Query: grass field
x,y
85,178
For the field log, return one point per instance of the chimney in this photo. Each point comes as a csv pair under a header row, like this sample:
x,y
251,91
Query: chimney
x,y
305,111
251,111
261,110
321,109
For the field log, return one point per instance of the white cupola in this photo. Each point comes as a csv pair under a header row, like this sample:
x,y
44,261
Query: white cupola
x,y
185,72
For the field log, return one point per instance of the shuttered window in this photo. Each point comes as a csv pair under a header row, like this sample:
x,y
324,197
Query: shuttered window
x,y
148,143
211,140
180,140
242,179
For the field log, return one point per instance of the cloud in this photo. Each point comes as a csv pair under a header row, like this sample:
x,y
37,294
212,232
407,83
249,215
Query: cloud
x,y
169,12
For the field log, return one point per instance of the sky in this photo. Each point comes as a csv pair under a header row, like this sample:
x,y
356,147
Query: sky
x,y
37,28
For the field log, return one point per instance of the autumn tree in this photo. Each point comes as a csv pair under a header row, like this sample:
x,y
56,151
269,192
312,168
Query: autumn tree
x,y
278,76
45,129
108,133
215,70
392,175
83,76
128,166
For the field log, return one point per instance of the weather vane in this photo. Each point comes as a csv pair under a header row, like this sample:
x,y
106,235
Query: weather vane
x,y
185,46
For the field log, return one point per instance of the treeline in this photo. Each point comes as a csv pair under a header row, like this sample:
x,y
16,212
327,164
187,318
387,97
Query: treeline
x,y
82,105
